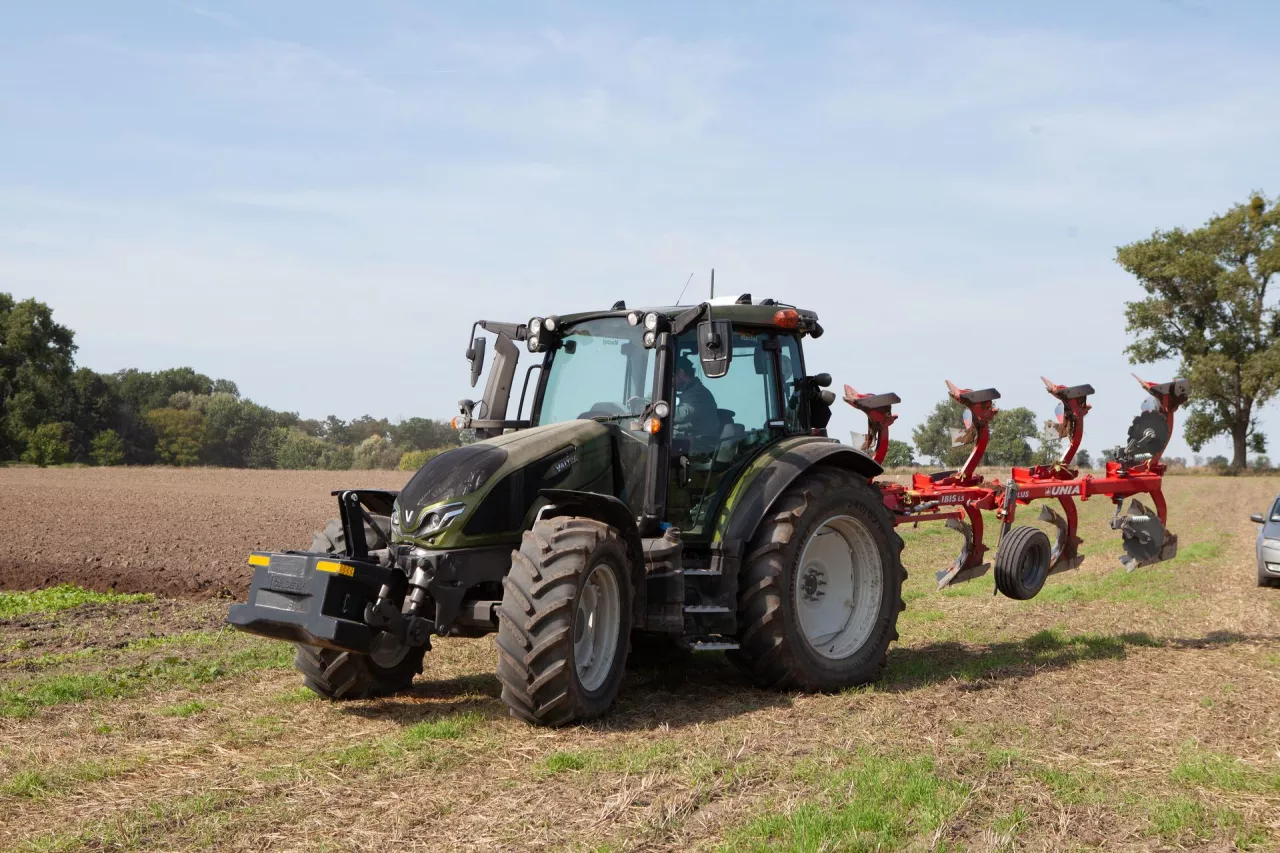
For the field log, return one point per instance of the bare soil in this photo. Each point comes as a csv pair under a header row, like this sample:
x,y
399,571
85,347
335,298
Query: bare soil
x,y
176,532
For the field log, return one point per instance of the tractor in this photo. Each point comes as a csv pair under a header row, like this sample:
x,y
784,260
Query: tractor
x,y
671,489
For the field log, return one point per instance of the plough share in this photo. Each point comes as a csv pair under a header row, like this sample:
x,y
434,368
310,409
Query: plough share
x,y
1025,558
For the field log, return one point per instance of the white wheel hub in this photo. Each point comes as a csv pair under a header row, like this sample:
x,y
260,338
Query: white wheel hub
x,y
839,582
595,626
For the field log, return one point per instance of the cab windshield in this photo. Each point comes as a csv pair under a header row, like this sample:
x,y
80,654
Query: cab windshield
x,y
601,370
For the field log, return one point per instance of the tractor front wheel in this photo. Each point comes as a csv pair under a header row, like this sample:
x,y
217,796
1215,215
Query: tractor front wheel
x,y
821,587
349,675
564,622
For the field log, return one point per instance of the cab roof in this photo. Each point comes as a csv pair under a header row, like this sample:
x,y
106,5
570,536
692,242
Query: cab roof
x,y
722,308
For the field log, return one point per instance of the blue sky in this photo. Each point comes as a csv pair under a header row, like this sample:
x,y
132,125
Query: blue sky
x,y
315,199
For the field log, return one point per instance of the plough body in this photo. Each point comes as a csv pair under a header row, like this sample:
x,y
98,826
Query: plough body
x,y
1025,558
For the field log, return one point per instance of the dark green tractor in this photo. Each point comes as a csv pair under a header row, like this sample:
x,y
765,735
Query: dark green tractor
x,y
670,489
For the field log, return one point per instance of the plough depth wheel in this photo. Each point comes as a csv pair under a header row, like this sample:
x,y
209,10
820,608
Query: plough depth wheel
x,y
1022,562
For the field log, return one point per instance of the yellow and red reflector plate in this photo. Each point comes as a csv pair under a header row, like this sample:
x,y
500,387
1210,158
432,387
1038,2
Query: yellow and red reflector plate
x,y
335,568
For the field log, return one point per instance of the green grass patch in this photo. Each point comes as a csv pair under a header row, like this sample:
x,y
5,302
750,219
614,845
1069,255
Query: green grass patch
x,y
875,804
185,709
231,656
1205,769
446,728
62,597
566,762
33,784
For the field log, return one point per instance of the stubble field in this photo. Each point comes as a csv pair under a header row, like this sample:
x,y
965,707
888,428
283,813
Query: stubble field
x,y
1113,712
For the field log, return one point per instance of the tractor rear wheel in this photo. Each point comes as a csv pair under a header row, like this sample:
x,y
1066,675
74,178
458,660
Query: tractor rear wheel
x,y
565,622
821,586
1022,562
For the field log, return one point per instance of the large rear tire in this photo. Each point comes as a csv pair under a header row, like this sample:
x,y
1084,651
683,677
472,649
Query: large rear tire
x,y
565,622
821,586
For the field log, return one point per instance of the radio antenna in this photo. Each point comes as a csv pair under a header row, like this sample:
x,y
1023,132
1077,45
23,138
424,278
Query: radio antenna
x,y
686,287
713,282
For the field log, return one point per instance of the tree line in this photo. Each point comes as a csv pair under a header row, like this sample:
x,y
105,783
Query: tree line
x,y
52,411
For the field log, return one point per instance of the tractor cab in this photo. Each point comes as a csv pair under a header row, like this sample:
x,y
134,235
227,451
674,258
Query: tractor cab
x,y
690,395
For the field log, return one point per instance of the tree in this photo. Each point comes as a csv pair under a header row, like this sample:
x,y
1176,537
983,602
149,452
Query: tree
x,y
1011,431
376,452
1051,442
179,435
1208,306
1083,459
46,446
424,434
36,358
899,455
933,438
107,448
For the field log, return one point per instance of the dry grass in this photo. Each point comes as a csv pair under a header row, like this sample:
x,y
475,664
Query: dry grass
x,y
1114,712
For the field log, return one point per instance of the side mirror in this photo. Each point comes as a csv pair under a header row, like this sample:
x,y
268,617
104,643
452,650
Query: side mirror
x,y
822,380
475,355
1257,518
715,347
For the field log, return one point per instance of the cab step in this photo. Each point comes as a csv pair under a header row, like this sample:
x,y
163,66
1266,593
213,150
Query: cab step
x,y
702,573
707,608
712,644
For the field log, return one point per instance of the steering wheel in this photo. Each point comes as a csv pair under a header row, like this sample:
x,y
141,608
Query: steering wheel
x,y
636,405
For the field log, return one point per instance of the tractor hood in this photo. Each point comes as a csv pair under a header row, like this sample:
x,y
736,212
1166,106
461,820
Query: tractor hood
x,y
484,492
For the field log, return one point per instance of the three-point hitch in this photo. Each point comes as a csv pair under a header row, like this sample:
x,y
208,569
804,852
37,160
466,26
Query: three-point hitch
x,y
1025,557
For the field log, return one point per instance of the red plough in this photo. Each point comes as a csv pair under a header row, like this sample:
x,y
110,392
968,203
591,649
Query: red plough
x,y
1025,557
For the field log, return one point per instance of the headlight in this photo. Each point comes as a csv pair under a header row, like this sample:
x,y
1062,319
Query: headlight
x,y
550,323
535,325
634,318
435,520
661,409
650,338
651,321
534,342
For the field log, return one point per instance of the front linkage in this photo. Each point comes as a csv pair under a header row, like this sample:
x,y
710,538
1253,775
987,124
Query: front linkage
x,y
1025,558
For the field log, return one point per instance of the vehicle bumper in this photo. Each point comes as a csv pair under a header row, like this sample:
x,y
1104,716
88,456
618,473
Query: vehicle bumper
x,y
320,599
313,599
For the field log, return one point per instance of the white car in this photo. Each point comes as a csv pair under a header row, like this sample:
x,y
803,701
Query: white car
x,y
1268,545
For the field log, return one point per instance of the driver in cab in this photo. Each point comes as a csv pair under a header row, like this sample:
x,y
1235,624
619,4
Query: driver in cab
x,y
696,413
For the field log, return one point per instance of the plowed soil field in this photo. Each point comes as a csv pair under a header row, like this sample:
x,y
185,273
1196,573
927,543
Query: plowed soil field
x,y
1112,712
172,531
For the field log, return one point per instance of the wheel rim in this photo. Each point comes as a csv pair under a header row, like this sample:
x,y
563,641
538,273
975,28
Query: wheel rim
x,y
386,651
595,626
838,586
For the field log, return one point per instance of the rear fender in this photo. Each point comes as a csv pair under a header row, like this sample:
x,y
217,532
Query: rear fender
x,y
764,482
613,512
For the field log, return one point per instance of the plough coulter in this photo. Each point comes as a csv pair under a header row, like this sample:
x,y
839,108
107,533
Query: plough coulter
x,y
1025,558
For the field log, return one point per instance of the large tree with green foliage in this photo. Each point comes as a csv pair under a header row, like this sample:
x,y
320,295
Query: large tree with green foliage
x,y
933,438
1207,305
36,360
1009,444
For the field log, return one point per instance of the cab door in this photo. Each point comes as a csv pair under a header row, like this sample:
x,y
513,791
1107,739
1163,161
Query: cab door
x,y
748,415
